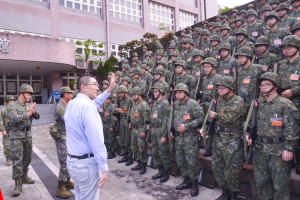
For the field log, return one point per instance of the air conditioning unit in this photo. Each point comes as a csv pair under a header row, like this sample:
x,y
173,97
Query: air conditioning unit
x,y
80,64
95,66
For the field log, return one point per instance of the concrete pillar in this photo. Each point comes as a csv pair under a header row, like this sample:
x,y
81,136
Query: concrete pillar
x,y
54,21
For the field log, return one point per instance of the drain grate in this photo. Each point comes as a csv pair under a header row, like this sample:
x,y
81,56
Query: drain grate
x,y
46,175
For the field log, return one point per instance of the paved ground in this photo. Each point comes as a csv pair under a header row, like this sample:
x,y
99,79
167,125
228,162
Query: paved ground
x,y
122,183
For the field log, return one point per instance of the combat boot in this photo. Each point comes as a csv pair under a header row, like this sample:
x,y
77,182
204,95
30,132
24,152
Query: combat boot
x,y
124,159
111,155
138,167
297,157
143,169
234,195
69,184
130,160
18,187
195,188
186,184
225,195
165,177
8,161
159,174
61,190
26,178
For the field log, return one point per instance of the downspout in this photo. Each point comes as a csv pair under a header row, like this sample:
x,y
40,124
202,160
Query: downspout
x,y
107,30
205,9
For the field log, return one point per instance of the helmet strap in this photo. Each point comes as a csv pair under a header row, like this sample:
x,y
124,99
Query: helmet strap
x,y
268,92
25,98
225,95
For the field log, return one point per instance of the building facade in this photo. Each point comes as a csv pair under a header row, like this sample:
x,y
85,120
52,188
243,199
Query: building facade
x,y
37,37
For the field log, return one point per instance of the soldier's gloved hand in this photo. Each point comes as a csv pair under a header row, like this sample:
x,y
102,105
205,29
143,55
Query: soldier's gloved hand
x,y
249,140
4,133
287,155
143,135
163,140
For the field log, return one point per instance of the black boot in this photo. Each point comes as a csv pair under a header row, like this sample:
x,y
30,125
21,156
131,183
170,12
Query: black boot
x,y
159,174
124,159
297,157
186,184
138,167
234,195
144,168
111,155
165,176
225,195
130,160
195,188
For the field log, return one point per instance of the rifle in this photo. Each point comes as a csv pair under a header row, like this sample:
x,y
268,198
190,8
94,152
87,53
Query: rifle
x,y
211,128
199,83
148,133
117,114
171,124
235,73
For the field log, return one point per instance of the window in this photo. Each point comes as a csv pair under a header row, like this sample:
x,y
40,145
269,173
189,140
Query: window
x,y
130,10
187,19
44,1
116,53
161,16
93,6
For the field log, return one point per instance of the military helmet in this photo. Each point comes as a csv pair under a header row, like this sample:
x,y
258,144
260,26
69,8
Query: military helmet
x,y
211,60
182,87
225,46
111,96
273,2
263,40
146,62
9,98
26,88
121,88
188,36
282,6
189,28
135,54
251,12
148,54
291,40
228,82
172,46
105,82
234,10
218,16
180,63
137,90
225,17
271,76
242,31
242,12
160,52
204,22
266,8
144,66
126,78
125,66
137,71
296,26
225,27
217,24
239,19
64,90
293,1
109,73
119,73
272,15
159,87
135,60
174,53
244,51
210,24
189,40
159,71
145,47
250,6
162,62
199,53
215,38
131,70
205,32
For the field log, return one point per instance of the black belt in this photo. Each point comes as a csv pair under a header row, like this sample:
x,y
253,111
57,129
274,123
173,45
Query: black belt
x,y
82,157
227,129
269,140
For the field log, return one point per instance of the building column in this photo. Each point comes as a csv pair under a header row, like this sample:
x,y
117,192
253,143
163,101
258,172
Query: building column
x,y
145,10
54,21
107,36
177,17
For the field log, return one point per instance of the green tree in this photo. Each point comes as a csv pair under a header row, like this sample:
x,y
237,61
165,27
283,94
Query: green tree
x,y
88,51
108,66
222,10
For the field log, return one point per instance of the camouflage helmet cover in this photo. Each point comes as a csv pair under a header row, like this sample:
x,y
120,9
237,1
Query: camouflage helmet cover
x,y
26,88
64,90
162,62
296,26
158,71
126,78
291,40
137,71
272,15
266,8
244,51
282,6
182,87
118,73
228,82
105,82
251,12
225,27
137,90
199,53
242,31
225,46
211,60
181,63
159,87
121,88
263,40
215,38
271,76
9,98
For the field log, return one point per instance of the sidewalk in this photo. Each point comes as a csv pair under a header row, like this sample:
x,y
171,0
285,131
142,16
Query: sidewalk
x,y
122,183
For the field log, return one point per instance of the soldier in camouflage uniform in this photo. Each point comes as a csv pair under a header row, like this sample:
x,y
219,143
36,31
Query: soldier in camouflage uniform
x,y
108,120
182,77
188,54
119,76
158,76
247,75
75,90
188,115
204,44
146,76
241,36
285,21
105,85
227,154
296,29
125,68
171,62
226,38
289,73
209,82
215,41
135,63
238,25
163,65
4,129
126,81
159,117
58,133
138,82
125,103
277,135
139,120
148,58
264,57
254,28
20,116
226,63
296,9
197,69
135,57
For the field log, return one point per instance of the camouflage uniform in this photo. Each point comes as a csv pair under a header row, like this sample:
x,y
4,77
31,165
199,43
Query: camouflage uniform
x,y
140,84
20,135
139,118
214,51
277,130
288,22
191,115
226,67
228,39
227,155
160,113
209,84
256,29
188,55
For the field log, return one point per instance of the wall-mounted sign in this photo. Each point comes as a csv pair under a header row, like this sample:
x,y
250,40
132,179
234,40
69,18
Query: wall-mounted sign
x,y
4,45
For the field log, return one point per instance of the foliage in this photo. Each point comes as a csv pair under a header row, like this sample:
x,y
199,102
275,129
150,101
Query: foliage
x,y
71,83
108,66
222,10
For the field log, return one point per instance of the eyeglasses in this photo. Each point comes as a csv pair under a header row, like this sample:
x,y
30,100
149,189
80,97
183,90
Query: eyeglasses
x,y
94,84
265,85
